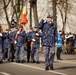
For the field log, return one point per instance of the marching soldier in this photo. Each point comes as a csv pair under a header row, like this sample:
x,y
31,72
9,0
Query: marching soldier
x,y
49,38
1,46
35,45
7,44
12,36
20,40
29,39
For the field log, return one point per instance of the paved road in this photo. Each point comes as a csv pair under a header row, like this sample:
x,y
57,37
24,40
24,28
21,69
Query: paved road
x,y
64,67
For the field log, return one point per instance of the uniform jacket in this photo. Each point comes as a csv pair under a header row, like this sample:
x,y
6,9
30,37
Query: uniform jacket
x,y
37,39
29,36
21,38
49,33
6,40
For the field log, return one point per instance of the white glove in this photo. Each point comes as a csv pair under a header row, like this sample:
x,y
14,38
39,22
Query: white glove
x,y
37,34
56,43
33,39
18,32
44,21
1,34
15,42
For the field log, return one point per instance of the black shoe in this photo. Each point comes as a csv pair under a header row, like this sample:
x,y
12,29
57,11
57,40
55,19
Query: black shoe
x,y
28,61
33,61
8,60
1,62
51,67
17,61
23,61
12,61
37,62
46,68
59,59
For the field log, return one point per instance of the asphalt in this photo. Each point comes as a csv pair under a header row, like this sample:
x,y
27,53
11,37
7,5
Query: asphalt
x,y
67,66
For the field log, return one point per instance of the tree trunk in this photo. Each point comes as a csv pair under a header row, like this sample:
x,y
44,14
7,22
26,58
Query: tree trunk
x,y
30,15
5,10
35,13
54,12
33,5
66,8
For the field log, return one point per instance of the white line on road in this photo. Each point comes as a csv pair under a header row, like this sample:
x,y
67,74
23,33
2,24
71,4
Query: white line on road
x,y
68,62
40,69
4,73
61,61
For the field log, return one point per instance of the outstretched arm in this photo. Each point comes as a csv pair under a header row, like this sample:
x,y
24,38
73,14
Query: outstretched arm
x,y
41,23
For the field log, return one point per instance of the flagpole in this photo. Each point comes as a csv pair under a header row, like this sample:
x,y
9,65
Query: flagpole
x,y
23,25
25,1
24,19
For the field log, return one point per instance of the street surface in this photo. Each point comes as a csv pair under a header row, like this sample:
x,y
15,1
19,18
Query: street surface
x,y
67,66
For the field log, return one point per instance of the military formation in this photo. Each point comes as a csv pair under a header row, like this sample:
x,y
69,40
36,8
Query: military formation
x,y
14,43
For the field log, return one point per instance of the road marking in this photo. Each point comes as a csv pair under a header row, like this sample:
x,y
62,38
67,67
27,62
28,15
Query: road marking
x,y
61,61
40,69
69,62
4,73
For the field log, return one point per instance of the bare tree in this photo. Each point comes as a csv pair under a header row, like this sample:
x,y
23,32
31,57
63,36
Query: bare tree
x,y
33,8
15,7
63,8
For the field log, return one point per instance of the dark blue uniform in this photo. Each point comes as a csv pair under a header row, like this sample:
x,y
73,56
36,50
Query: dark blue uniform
x,y
1,47
7,45
12,36
29,39
20,46
49,37
35,47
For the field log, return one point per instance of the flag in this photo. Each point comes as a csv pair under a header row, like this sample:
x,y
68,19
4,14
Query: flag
x,y
24,19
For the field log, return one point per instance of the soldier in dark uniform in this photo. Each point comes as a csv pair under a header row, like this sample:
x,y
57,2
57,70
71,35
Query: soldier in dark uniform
x,y
35,46
1,46
20,40
7,44
12,36
49,38
29,39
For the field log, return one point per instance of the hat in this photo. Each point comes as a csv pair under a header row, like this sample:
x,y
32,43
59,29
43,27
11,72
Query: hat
x,y
60,30
16,27
31,28
35,26
49,16
21,26
8,29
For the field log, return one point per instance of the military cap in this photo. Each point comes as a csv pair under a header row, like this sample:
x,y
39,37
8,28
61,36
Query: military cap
x,y
31,27
49,16
8,29
16,27
35,26
60,30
